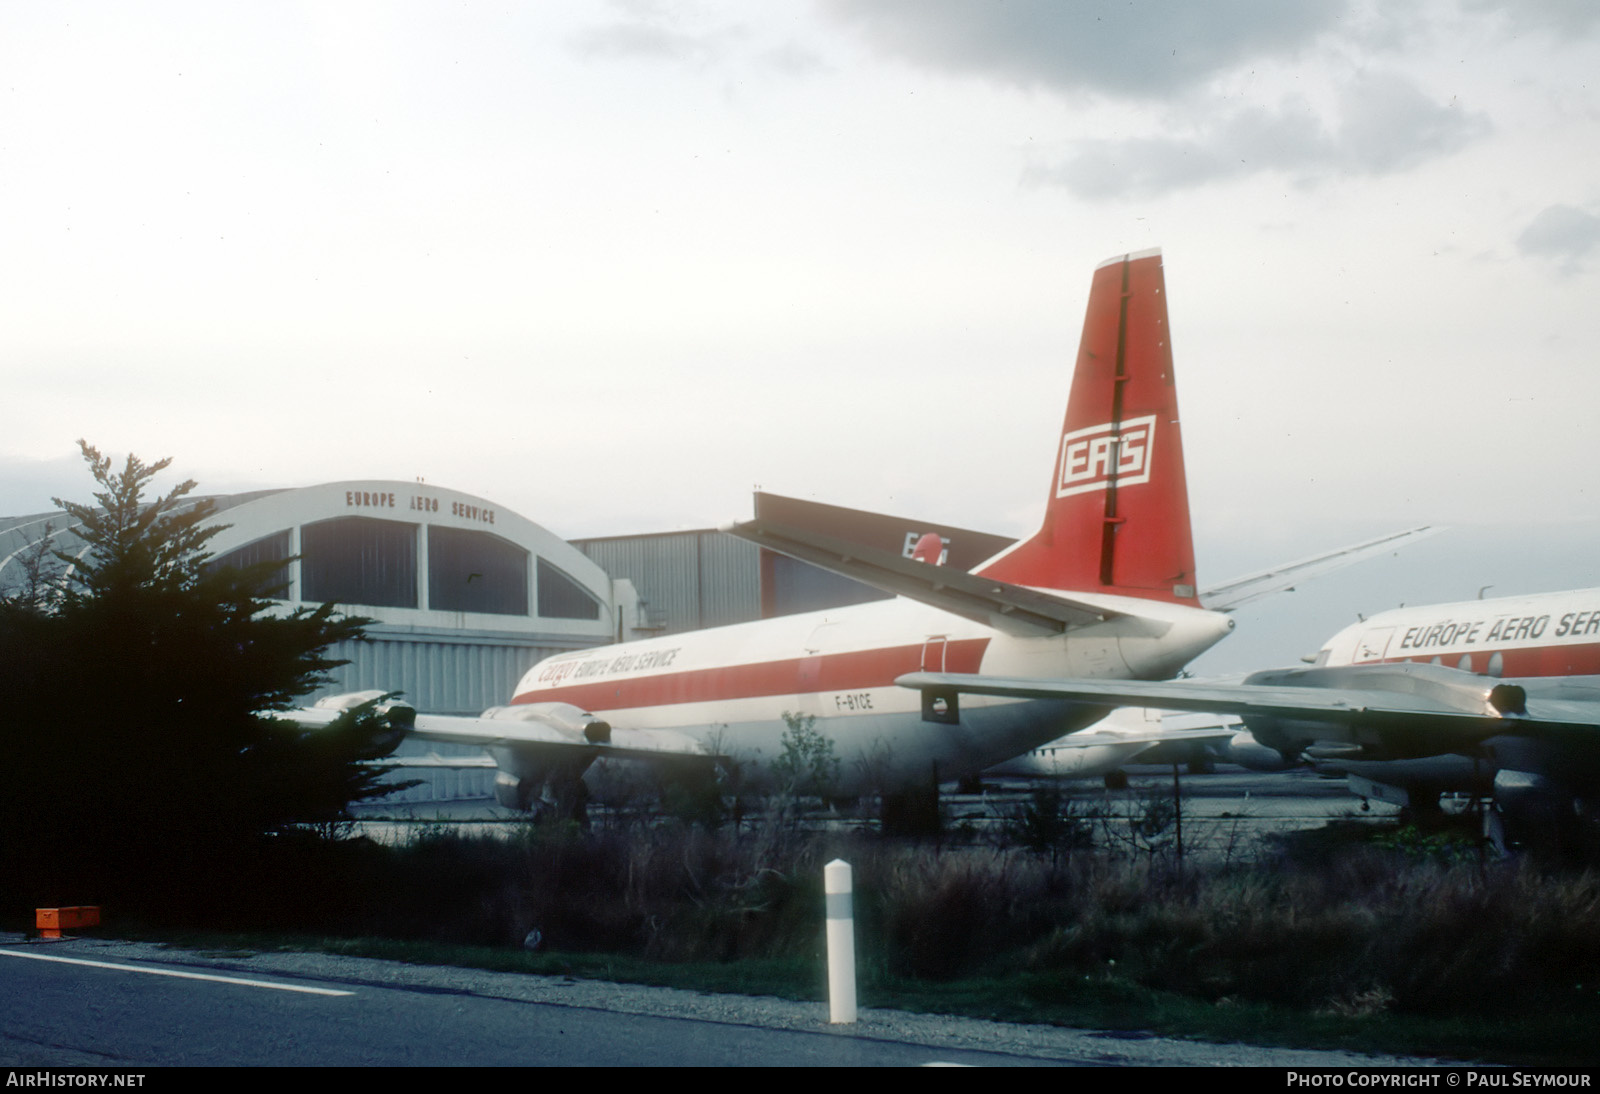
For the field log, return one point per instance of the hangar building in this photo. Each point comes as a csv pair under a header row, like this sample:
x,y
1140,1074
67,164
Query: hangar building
x,y
466,595
703,578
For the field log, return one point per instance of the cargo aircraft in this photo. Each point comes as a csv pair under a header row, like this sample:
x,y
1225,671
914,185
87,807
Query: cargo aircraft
x,y
1104,589
1491,697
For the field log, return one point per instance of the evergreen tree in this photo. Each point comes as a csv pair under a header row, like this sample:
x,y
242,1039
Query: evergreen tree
x,y
138,758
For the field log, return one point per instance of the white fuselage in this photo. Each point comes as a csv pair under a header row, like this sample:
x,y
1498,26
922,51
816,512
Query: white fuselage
x,y
1549,634
738,689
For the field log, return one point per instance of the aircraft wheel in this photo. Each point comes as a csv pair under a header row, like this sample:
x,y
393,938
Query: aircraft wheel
x,y
1494,830
1115,780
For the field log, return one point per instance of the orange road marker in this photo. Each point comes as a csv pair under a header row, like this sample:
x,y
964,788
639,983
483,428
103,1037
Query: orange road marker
x,y
52,921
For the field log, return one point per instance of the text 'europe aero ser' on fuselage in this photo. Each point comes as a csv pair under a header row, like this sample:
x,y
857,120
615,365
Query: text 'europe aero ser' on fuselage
x,y
1491,697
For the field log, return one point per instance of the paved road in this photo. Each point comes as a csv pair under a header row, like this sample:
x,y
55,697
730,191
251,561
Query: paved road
x,y
100,1003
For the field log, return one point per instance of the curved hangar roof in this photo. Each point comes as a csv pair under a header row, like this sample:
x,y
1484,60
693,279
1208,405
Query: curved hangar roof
x,y
466,595
406,554
419,554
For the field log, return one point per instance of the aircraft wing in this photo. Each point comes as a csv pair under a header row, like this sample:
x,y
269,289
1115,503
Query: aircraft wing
x,y
534,728
1010,609
1128,735
1405,722
435,761
501,727
1090,738
1243,590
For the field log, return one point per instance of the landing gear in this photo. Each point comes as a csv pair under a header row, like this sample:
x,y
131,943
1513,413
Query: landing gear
x,y
553,797
1495,836
1422,811
1115,780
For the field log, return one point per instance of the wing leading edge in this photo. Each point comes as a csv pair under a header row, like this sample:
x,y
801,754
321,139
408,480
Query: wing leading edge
x,y
552,728
1415,710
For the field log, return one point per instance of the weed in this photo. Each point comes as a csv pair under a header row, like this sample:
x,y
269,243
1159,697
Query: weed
x,y
1049,822
808,764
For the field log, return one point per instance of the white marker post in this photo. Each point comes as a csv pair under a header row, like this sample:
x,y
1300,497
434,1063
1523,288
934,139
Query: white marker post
x,y
837,884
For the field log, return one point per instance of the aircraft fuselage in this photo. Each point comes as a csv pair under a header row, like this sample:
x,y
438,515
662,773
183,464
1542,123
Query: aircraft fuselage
x,y
1549,634
739,689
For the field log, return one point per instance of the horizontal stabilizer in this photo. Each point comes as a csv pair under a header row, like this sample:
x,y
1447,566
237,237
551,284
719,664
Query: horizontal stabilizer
x,y
1091,738
1242,590
1011,609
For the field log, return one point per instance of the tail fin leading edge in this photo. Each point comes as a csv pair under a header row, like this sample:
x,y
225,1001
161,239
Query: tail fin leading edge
x,y
1117,516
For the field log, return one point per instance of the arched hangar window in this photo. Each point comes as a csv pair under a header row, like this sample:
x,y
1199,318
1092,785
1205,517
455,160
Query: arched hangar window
x,y
560,597
267,549
359,560
471,571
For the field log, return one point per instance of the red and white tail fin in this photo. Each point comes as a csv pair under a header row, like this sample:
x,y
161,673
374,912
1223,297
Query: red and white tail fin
x,y
1117,517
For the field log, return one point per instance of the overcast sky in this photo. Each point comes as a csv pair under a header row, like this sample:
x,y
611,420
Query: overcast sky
x,y
614,265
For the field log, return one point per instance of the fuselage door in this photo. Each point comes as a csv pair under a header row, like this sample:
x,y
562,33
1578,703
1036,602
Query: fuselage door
x,y
934,648
1373,645
809,682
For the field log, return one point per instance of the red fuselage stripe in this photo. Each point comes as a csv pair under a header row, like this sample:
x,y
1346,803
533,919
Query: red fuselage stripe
x,y
1575,660
854,671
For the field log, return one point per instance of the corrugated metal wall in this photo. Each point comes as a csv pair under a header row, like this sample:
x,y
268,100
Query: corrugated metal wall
x,y
458,673
455,674
730,580
687,580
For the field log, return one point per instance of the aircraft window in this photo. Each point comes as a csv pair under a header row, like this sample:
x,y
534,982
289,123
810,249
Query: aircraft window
x,y
560,597
359,560
1465,664
273,548
1437,660
1497,665
471,571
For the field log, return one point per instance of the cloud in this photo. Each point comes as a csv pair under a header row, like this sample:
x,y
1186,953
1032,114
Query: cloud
x,y
647,31
1382,123
1149,49
1562,233
1566,18
28,485
792,59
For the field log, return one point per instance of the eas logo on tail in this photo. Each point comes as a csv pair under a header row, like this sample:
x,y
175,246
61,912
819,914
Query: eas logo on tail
x,y
1093,457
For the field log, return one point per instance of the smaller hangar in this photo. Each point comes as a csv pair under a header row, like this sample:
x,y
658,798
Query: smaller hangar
x,y
467,595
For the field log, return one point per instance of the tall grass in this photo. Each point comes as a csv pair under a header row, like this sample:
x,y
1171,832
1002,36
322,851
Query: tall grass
x,y
1352,929
1321,926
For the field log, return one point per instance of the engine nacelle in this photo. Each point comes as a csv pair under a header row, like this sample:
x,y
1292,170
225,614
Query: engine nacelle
x,y
1246,751
397,716
564,717
512,792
